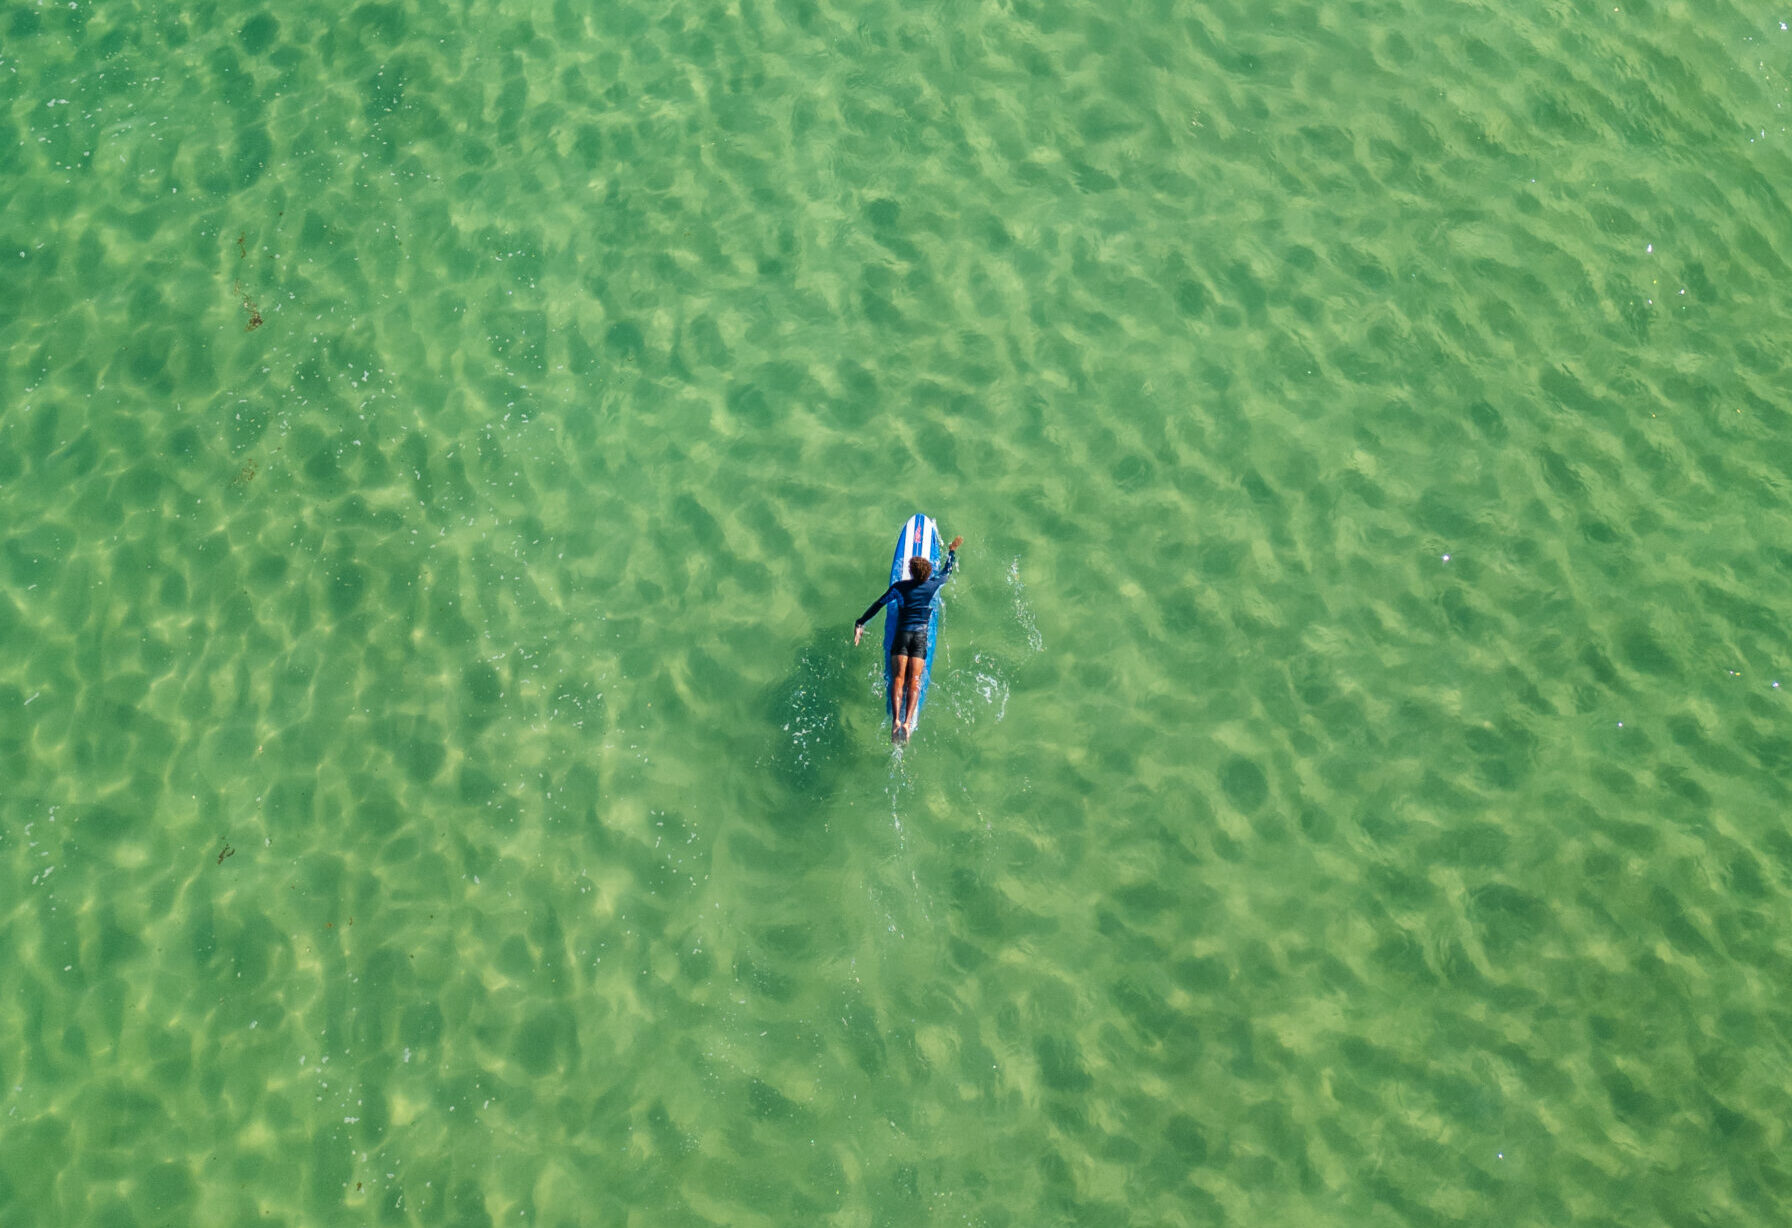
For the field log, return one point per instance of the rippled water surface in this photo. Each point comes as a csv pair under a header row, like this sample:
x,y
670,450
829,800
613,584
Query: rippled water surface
x,y
442,450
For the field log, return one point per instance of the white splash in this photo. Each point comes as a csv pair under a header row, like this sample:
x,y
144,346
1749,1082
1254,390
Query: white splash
x,y
1023,614
991,686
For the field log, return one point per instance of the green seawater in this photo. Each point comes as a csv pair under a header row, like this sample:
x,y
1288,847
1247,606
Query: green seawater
x,y
436,784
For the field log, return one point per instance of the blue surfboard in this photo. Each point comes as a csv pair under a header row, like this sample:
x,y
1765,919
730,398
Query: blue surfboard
x,y
919,536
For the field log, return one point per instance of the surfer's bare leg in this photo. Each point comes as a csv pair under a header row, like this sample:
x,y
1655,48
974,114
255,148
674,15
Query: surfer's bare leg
x,y
914,694
915,665
899,667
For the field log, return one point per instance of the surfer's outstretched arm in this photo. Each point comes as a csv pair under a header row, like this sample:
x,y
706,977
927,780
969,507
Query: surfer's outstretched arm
x,y
858,627
951,557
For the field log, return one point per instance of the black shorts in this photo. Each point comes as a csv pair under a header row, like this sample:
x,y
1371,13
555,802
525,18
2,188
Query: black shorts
x,y
910,643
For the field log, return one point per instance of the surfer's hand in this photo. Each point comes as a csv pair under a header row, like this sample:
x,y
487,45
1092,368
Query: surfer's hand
x,y
956,543
858,629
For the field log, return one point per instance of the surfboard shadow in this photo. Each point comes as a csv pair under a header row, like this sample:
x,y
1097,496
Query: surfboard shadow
x,y
807,711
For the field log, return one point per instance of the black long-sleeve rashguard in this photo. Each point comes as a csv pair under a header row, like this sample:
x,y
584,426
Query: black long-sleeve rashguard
x,y
913,598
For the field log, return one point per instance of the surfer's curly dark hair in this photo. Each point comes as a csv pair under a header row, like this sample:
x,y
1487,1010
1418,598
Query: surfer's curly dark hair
x,y
919,567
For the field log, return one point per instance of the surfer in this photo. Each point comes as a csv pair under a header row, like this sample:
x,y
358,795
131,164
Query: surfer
x,y
908,654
